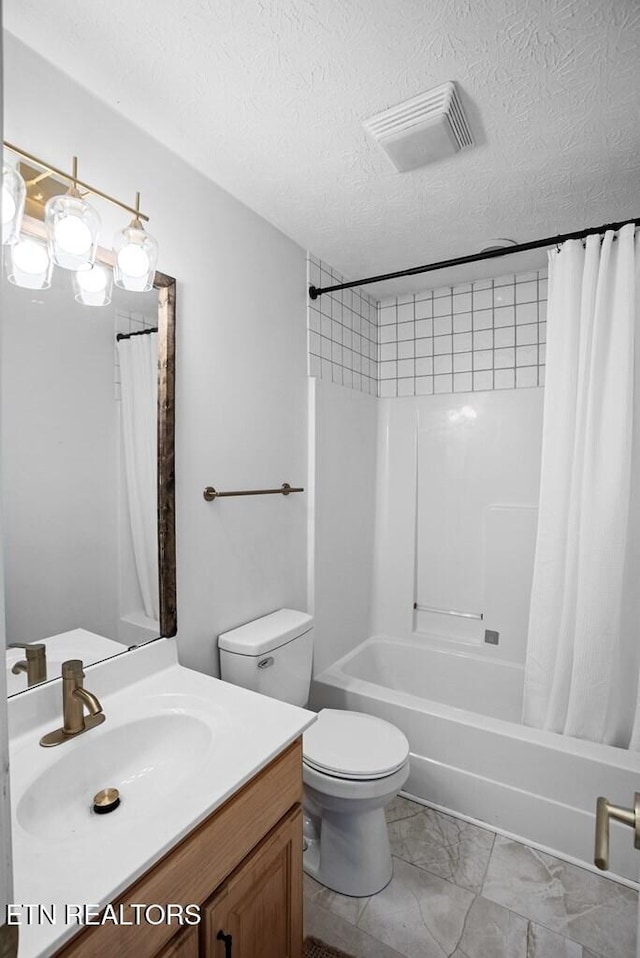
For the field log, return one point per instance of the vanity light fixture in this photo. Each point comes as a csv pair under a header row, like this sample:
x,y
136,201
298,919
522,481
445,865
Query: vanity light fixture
x,y
93,287
136,255
14,192
72,227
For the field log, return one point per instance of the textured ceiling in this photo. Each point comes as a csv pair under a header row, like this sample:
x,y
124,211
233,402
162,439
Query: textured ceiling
x,y
267,99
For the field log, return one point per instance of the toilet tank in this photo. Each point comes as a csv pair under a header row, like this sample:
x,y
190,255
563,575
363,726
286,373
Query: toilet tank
x,y
271,655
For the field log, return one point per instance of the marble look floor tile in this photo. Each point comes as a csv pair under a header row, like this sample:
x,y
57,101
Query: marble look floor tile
x,y
597,913
542,943
335,931
418,914
342,905
445,846
400,808
491,931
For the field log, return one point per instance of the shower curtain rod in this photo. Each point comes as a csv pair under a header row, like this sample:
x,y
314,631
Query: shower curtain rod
x,y
140,332
315,291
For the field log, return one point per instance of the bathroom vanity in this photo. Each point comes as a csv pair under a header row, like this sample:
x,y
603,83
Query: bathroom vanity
x,y
210,780
243,866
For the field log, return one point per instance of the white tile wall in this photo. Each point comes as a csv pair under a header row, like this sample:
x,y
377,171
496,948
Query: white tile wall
x,y
489,334
342,331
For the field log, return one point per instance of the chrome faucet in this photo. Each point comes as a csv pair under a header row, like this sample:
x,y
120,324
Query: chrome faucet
x,y
35,664
74,698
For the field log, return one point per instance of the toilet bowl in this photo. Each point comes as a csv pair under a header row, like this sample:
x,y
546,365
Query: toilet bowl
x,y
353,764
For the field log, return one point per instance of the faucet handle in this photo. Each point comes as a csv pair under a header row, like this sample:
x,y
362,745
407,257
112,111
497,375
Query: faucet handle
x,y
27,646
73,669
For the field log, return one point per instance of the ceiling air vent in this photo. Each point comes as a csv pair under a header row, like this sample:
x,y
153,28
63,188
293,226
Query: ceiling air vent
x,y
426,128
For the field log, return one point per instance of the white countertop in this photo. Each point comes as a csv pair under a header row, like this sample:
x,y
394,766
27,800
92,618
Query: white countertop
x,y
93,859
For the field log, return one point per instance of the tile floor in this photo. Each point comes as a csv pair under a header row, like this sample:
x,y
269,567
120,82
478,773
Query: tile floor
x,y
461,891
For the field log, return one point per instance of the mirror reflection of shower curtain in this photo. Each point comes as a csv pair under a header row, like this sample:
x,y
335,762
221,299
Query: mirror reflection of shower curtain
x,y
138,357
583,650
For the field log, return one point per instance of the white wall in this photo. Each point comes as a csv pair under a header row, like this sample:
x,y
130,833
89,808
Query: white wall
x,y
344,467
458,484
241,352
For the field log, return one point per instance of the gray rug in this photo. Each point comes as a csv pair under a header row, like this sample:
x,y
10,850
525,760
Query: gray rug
x,y
314,948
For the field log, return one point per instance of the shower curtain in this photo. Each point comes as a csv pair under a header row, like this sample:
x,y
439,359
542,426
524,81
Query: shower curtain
x,y
139,378
583,652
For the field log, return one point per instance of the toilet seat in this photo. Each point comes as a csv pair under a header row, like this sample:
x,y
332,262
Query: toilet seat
x,y
354,746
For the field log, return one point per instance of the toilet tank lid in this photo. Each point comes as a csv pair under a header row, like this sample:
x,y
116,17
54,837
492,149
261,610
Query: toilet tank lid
x,y
266,633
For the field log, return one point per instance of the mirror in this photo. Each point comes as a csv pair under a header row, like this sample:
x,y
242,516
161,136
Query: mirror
x,y
87,469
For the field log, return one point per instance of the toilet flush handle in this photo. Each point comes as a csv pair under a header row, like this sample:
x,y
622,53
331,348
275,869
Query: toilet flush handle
x,y
605,811
265,663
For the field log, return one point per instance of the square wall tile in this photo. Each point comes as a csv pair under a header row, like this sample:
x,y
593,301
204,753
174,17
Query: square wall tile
x,y
443,384
462,342
482,299
405,312
442,307
424,366
462,323
406,367
483,380
504,378
462,303
406,331
483,339
442,325
526,313
406,387
483,319
527,292
527,376
462,362
504,336
442,364
424,386
424,347
424,327
406,349
462,382
423,308
527,335
388,388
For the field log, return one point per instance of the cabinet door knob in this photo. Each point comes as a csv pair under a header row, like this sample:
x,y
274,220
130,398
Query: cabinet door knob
x,y
228,943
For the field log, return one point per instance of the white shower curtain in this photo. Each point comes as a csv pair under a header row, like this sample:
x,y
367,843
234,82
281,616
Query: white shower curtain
x,y
139,379
583,652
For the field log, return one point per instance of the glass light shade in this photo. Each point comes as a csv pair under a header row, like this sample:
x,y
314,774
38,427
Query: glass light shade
x,y
30,265
72,231
136,255
14,192
93,286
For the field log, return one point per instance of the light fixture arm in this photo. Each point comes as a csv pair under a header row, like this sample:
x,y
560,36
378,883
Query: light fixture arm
x,y
73,179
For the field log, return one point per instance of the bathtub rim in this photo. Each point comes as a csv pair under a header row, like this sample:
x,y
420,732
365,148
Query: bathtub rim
x,y
611,755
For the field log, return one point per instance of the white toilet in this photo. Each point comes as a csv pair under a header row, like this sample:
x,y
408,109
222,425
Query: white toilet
x,y
353,764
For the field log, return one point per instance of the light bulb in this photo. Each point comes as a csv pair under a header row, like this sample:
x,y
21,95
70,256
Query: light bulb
x,y
73,236
133,260
72,231
30,257
30,265
93,286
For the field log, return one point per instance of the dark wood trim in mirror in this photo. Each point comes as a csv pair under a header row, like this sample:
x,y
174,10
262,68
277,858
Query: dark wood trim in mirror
x,y
166,287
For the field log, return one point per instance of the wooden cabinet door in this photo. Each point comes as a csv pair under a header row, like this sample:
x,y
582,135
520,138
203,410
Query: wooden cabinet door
x,y
184,945
257,913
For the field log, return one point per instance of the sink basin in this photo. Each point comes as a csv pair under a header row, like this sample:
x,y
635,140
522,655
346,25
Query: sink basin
x,y
147,760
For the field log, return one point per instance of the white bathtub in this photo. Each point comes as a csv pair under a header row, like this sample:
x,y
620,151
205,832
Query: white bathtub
x,y
469,753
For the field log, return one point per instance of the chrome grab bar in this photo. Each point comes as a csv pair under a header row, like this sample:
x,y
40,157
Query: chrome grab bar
x,y
461,615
